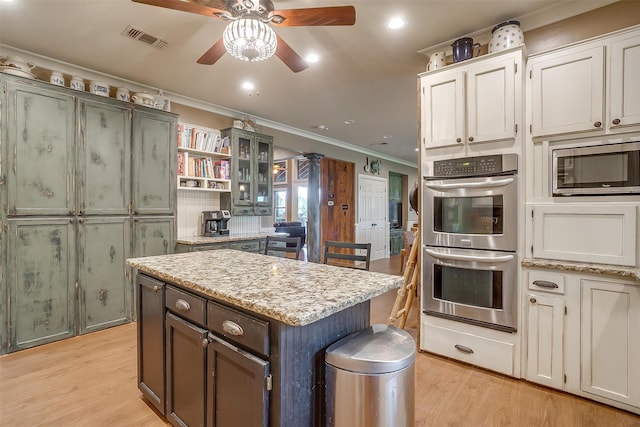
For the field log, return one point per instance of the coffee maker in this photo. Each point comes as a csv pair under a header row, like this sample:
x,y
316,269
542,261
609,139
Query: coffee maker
x,y
215,223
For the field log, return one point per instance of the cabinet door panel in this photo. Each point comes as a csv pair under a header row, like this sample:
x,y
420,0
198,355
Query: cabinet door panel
x,y
153,236
610,340
545,340
238,387
104,159
40,137
567,92
443,106
105,293
186,371
41,279
625,84
154,152
491,101
150,313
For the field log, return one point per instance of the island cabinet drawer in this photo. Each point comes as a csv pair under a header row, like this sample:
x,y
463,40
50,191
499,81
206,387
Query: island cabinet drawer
x,y
186,305
246,245
238,327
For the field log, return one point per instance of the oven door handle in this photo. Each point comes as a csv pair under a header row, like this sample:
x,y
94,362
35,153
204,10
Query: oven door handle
x,y
491,259
484,184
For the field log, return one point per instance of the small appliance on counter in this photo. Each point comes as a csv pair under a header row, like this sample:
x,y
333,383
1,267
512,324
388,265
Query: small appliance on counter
x,y
215,223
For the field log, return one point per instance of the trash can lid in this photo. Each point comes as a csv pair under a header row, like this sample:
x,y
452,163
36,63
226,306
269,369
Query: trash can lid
x,y
377,349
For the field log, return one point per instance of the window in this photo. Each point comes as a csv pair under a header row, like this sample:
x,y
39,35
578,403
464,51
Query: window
x,y
280,205
302,203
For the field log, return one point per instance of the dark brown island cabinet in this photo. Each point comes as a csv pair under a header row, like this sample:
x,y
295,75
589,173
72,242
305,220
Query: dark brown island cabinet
x,y
205,363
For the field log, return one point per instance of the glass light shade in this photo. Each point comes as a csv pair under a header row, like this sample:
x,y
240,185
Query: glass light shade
x,y
249,39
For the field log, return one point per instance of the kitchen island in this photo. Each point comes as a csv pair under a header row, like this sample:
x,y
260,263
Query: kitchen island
x,y
234,338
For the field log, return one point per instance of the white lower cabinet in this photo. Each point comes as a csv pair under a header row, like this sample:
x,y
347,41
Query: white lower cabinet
x,y
582,336
487,348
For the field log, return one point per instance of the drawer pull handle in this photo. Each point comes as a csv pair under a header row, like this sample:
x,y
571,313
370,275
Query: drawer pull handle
x,y
545,284
232,328
183,305
463,349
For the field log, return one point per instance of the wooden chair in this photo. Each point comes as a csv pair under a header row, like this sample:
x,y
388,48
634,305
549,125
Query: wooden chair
x,y
283,245
336,250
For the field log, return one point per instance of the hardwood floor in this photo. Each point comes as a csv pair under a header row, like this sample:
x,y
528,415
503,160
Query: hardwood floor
x,y
91,381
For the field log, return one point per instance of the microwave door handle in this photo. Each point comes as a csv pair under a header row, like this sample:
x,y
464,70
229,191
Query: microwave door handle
x,y
492,259
467,185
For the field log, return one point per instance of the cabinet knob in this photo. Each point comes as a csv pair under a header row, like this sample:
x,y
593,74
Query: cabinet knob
x,y
183,305
156,288
532,300
458,139
616,121
470,139
597,124
205,343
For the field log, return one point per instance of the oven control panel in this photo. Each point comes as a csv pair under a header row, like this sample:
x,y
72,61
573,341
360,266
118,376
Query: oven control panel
x,y
475,166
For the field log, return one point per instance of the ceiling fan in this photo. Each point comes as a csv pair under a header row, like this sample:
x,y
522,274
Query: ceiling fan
x,y
249,35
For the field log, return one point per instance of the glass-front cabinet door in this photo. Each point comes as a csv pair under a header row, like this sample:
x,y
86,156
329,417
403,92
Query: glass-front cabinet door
x,y
251,172
264,182
243,168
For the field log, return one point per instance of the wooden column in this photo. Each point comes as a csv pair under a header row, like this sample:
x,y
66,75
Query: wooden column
x,y
313,207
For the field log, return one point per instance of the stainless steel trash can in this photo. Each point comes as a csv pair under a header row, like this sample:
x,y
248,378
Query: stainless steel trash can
x,y
370,379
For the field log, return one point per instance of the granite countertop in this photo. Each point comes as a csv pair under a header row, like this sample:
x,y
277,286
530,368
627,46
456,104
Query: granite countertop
x,y
583,267
294,292
202,240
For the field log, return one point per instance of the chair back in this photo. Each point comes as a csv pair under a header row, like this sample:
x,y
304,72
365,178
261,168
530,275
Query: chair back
x,y
283,245
347,254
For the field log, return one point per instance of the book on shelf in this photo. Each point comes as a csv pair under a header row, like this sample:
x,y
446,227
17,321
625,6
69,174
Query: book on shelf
x,y
200,139
181,170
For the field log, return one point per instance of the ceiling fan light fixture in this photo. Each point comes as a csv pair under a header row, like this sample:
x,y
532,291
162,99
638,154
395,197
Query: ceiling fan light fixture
x,y
249,39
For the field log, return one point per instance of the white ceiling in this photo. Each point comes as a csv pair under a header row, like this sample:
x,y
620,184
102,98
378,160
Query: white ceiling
x,y
367,73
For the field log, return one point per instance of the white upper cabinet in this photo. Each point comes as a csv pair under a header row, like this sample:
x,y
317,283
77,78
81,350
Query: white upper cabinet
x,y
470,103
624,96
586,88
567,92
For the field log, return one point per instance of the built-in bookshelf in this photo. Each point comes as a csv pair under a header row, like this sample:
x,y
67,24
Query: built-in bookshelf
x,y
203,159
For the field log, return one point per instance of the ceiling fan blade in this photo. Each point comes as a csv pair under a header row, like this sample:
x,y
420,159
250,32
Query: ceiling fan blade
x,y
289,56
216,4
337,15
183,6
214,53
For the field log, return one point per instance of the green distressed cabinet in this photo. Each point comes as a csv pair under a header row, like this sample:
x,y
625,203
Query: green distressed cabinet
x,y
85,183
154,171
41,280
251,172
104,292
38,145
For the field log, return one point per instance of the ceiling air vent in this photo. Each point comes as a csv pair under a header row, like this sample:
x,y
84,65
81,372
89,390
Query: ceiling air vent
x,y
138,34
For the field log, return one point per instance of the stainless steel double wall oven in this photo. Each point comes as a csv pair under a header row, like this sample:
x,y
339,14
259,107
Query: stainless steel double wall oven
x,y
470,241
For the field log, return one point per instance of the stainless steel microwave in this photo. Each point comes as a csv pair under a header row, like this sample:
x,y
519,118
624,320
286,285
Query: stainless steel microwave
x,y
597,170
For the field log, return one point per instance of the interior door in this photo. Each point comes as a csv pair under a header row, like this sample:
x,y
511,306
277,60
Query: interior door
x,y
337,201
372,215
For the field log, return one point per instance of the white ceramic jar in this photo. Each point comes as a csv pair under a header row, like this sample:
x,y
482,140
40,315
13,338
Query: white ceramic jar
x,y
77,83
57,78
98,88
436,60
122,94
505,35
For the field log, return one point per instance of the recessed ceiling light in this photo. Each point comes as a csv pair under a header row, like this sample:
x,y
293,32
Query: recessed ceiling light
x,y
248,86
386,137
417,149
312,58
321,127
349,122
395,23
